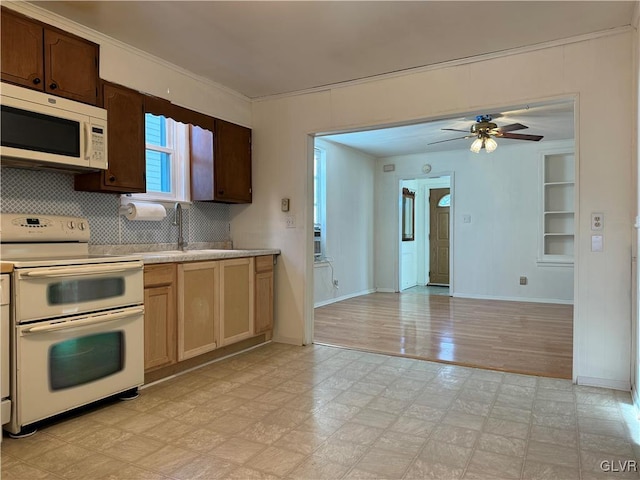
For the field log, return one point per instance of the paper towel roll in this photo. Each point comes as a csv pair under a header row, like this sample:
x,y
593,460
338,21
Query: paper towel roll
x,y
145,211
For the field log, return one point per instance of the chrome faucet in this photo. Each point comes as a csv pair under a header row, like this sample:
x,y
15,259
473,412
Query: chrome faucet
x,y
177,220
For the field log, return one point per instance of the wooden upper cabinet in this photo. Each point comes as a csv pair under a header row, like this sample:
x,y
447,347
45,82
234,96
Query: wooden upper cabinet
x,y
232,166
70,67
221,163
44,58
201,160
125,124
22,51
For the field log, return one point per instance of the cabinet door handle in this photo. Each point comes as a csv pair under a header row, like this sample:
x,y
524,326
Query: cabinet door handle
x,y
36,81
53,86
112,178
220,192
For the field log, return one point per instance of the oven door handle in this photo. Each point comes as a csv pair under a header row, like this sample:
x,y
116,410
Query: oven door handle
x,y
86,321
78,271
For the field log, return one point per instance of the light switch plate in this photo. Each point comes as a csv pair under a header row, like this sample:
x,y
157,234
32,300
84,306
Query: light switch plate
x,y
597,243
284,205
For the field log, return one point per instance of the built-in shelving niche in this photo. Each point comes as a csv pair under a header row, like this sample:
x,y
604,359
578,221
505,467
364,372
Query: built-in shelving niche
x,y
558,210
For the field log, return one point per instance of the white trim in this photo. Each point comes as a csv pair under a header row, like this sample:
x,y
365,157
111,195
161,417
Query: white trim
x,y
343,297
59,21
385,290
635,397
623,385
514,299
454,63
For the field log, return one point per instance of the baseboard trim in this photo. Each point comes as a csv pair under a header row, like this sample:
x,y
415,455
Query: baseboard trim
x,y
513,299
343,297
385,290
623,385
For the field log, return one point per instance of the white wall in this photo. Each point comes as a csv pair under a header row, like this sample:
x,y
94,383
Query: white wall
x,y
125,65
283,152
349,225
501,193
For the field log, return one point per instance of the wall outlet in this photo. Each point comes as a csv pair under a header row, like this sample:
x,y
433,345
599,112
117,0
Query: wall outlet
x,y
597,222
523,280
335,283
291,221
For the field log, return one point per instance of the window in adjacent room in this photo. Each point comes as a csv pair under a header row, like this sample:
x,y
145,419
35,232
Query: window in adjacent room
x,y
319,203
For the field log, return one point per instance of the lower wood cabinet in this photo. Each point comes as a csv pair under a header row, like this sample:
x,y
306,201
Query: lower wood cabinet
x,y
263,294
236,295
198,308
160,315
195,307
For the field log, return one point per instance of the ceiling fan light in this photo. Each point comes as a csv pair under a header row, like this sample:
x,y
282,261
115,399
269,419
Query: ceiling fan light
x,y
490,145
476,145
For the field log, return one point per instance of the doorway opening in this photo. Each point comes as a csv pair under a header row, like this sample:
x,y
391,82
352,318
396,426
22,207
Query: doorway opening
x,y
425,259
502,219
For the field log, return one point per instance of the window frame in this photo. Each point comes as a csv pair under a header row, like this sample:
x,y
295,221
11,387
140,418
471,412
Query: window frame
x,y
320,201
177,139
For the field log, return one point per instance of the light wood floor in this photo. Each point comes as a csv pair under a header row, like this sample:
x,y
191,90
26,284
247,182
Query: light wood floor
x,y
531,338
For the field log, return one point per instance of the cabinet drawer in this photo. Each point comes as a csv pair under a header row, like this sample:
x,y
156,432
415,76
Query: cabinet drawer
x,y
264,263
163,274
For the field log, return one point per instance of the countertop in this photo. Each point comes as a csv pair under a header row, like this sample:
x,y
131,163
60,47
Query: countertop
x,y
6,267
171,256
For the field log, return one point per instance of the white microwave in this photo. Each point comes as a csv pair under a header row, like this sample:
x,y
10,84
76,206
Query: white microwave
x,y
43,131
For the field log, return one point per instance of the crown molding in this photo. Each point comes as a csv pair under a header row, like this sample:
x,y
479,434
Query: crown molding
x,y
454,63
64,23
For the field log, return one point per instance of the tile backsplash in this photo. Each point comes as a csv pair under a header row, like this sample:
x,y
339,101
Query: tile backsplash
x,y
47,192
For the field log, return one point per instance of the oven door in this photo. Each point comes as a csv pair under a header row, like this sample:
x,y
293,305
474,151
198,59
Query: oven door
x,y
47,292
65,363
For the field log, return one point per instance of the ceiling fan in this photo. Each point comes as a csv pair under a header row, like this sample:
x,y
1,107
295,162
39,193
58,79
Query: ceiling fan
x,y
484,129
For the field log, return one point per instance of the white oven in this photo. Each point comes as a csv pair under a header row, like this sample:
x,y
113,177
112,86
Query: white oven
x,y
45,292
64,363
77,329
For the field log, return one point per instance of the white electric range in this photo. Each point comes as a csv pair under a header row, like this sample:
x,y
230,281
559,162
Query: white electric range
x,y
77,320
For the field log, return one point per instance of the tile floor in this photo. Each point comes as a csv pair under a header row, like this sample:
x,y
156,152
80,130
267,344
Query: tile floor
x,y
320,412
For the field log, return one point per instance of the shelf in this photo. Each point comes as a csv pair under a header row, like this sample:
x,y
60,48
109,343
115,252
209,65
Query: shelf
x,y
558,199
559,167
551,184
558,245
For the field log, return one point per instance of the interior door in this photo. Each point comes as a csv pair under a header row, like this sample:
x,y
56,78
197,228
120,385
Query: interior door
x,y
439,236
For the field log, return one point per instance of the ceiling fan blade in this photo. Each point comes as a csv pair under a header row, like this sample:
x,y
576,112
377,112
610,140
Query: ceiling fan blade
x,y
450,139
520,136
455,130
510,128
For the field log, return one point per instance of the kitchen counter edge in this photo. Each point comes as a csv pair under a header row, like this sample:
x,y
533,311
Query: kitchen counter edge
x,y
201,255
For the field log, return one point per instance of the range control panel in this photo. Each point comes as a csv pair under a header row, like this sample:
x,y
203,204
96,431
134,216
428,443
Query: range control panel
x,y
18,227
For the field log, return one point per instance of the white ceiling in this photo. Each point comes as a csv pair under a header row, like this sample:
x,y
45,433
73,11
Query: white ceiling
x,y
270,47
263,48
552,121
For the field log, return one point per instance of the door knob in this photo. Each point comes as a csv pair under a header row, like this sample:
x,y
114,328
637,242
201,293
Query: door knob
x,y
36,81
53,86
